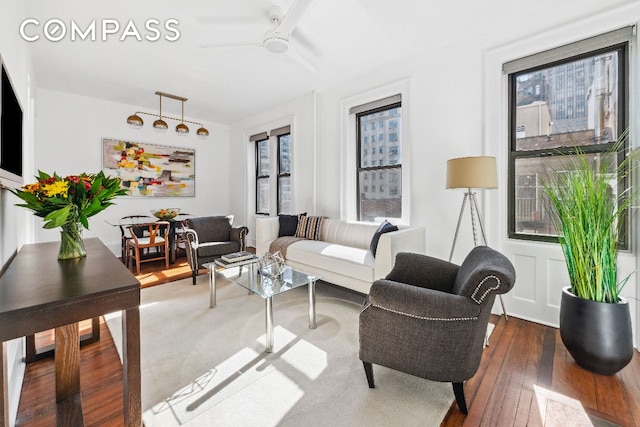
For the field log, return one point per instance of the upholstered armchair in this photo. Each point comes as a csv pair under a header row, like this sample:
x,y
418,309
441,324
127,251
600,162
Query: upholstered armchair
x,y
429,317
211,237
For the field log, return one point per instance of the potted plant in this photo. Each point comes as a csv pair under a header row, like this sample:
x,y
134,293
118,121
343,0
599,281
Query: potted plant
x,y
68,203
589,213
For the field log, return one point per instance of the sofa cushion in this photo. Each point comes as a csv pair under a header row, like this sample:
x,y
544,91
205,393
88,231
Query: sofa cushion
x,y
211,228
288,224
211,249
352,262
310,227
356,234
385,227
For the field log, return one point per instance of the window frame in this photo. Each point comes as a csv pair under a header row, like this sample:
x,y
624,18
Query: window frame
x,y
623,105
280,175
393,102
259,139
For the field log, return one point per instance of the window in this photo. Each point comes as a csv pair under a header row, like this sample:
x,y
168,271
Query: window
x,y
581,104
263,168
284,173
273,187
382,200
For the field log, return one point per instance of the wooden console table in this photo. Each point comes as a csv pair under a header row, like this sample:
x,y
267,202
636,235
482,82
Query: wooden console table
x,y
38,292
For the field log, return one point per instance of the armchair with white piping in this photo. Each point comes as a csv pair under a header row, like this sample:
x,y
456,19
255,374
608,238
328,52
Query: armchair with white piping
x,y
429,317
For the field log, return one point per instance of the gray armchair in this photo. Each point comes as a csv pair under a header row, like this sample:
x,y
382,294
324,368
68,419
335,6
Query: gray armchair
x,y
429,317
210,237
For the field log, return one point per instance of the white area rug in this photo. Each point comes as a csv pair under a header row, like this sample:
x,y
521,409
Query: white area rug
x,y
204,367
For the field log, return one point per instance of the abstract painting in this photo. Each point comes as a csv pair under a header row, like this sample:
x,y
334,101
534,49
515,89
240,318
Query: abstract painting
x,y
150,170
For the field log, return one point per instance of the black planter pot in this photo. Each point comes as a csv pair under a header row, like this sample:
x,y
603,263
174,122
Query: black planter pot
x,y
597,334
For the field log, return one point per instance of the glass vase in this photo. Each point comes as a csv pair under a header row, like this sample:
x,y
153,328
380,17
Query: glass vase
x,y
71,243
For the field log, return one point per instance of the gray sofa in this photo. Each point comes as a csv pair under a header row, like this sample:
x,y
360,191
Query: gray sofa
x,y
209,238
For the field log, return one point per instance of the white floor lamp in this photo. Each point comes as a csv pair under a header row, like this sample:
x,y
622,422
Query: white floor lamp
x,y
472,172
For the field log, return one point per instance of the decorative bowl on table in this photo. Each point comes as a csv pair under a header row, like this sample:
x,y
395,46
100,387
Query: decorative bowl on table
x,y
165,214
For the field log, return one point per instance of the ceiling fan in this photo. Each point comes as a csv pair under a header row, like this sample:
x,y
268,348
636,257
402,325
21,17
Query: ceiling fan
x,y
277,39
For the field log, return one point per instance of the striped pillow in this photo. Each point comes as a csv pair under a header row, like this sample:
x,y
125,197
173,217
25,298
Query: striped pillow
x,y
310,227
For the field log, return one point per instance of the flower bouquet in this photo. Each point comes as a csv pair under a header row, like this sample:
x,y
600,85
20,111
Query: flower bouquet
x,y
68,203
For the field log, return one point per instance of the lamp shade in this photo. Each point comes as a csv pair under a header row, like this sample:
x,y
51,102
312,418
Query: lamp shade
x,y
472,172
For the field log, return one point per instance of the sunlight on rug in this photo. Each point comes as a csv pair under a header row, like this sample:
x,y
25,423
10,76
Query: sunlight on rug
x,y
203,366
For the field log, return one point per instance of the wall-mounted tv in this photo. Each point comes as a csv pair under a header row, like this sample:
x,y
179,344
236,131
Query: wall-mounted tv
x,y
10,132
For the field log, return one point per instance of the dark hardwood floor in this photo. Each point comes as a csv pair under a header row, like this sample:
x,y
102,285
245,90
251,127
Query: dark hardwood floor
x,y
526,378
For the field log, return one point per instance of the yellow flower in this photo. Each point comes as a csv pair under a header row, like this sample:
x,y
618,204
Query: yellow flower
x,y
31,188
57,188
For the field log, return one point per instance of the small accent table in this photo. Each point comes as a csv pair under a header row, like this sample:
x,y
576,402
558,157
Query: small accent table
x,y
38,292
264,287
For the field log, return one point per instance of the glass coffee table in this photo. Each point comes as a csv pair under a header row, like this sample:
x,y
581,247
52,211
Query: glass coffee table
x,y
245,274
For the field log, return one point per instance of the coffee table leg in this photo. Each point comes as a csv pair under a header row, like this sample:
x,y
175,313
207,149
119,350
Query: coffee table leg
x,y
312,302
269,324
212,287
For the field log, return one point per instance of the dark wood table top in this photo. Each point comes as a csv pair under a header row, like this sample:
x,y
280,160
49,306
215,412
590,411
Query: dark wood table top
x,y
39,292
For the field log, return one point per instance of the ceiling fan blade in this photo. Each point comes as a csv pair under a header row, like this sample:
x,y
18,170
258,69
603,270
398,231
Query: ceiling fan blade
x,y
293,16
301,60
302,38
234,20
230,45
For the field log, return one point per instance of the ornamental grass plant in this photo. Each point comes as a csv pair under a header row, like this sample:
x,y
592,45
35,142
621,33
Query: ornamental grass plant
x,y
589,214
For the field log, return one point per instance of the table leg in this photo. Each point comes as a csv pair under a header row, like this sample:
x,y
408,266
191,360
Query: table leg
x,y
172,242
269,324
4,387
312,302
212,287
67,358
131,375
30,351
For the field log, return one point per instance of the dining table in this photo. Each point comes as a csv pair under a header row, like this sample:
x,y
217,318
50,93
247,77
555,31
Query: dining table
x,y
174,225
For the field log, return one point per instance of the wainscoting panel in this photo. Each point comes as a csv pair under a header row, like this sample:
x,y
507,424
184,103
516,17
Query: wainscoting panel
x,y
541,274
525,266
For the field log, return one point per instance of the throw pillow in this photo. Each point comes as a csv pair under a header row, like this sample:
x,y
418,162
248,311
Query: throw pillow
x,y
289,224
385,227
310,227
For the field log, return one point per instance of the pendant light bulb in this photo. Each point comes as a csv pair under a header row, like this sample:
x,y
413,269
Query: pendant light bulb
x,y
135,121
202,133
182,129
160,125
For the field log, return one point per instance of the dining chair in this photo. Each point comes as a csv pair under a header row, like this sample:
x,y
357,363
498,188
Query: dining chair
x,y
181,241
124,237
155,236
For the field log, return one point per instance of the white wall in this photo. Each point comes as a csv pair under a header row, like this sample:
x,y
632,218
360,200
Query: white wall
x,y
456,106
540,267
69,132
437,124
13,220
300,114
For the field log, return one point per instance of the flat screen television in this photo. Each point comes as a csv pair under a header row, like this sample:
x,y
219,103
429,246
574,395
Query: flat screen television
x,y
10,132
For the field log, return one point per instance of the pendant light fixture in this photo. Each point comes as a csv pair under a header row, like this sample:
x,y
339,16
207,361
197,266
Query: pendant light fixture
x,y
160,125
202,133
181,128
136,122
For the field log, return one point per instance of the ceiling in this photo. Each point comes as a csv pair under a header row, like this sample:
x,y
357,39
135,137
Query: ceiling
x,y
342,39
